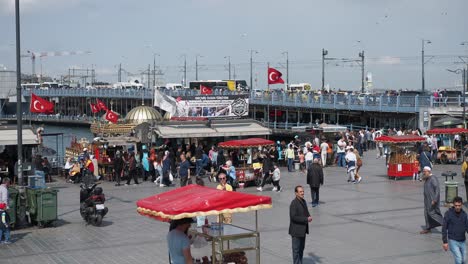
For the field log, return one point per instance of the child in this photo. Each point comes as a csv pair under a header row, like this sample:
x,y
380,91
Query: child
x,y
4,224
276,178
416,171
301,160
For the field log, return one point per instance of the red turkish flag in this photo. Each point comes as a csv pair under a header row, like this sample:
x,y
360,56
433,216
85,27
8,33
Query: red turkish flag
x,y
274,76
205,90
40,105
101,105
112,116
94,108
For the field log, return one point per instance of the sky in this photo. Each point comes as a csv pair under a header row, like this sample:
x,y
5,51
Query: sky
x,y
134,33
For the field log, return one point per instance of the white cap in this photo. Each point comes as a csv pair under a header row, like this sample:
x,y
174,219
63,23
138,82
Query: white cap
x,y
427,168
85,149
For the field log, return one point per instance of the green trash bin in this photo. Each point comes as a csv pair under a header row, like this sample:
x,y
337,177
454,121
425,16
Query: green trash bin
x,y
451,187
42,205
12,203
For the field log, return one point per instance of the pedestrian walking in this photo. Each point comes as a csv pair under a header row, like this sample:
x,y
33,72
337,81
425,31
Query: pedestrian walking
x,y
4,224
432,213
357,176
464,173
118,167
290,157
351,160
267,168
299,219
323,152
453,231
315,180
341,152
276,178
184,170
132,170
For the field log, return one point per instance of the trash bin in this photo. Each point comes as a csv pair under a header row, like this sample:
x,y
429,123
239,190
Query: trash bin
x,y
42,205
451,187
297,166
12,203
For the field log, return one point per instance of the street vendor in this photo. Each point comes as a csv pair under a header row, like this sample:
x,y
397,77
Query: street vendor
x,y
178,241
223,185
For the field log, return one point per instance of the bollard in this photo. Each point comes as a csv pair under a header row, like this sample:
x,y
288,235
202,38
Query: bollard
x,y
451,187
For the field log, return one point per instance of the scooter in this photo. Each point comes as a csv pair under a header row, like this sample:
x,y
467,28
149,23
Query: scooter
x,y
92,207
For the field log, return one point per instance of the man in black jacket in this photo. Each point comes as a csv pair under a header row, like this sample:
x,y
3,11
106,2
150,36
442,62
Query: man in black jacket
x,y
315,179
454,227
300,218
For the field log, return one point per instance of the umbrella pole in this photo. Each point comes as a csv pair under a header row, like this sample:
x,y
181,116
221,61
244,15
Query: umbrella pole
x,y
258,236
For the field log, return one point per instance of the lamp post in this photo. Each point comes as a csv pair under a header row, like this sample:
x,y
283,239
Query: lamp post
x,y
251,68
154,68
229,65
287,68
361,55
19,111
196,65
464,73
424,41
324,53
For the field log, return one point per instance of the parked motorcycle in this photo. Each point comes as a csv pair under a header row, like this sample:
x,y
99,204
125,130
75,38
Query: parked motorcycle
x,y
92,207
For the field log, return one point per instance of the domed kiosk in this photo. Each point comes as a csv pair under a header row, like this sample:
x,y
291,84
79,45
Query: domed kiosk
x,y
142,114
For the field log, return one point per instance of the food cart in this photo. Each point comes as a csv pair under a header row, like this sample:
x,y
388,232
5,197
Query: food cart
x,y
448,152
403,155
247,172
228,242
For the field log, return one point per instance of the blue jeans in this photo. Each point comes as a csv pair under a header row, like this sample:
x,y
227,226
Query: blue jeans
x,y
298,244
458,250
341,159
198,167
290,164
6,233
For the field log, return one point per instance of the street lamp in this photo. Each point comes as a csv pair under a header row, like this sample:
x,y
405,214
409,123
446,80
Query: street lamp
x,y
229,65
424,41
324,53
251,67
19,111
287,68
196,65
154,68
464,73
361,55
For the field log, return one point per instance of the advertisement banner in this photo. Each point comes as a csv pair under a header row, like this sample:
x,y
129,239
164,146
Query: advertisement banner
x,y
212,106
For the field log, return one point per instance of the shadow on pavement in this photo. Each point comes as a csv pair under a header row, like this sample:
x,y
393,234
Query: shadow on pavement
x,y
312,259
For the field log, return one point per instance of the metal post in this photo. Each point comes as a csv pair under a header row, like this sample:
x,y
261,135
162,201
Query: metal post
x,y
324,53
422,65
149,72
362,71
185,71
19,111
154,70
465,87
251,71
196,68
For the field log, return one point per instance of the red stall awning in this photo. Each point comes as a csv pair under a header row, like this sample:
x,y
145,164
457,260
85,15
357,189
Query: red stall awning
x,y
400,139
246,143
194,200
447,131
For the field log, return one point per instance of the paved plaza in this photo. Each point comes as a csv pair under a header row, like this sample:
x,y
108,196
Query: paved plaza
x,y
377,221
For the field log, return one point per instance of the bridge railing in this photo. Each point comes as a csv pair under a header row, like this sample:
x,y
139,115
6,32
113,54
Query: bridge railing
x,y
379,103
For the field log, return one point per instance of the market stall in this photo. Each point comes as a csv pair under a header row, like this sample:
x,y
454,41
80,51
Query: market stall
x,y
248,170
228,242
403,155
449,150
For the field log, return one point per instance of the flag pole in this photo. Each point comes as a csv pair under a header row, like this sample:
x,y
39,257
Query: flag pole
x,y
268,79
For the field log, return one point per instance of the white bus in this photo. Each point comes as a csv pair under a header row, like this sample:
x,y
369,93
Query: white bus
x,y
301,87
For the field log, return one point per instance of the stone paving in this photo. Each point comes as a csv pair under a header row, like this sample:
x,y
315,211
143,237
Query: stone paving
x,y
377,221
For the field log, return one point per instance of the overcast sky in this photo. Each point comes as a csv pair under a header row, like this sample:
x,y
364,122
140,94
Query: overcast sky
x,y
130,32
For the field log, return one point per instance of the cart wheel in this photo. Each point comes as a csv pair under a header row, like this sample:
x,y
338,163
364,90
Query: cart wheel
x,y
443,159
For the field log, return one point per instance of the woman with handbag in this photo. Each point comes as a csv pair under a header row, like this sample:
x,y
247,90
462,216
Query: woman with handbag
x,y
357,177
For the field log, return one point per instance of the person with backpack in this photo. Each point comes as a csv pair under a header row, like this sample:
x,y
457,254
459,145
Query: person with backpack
x,y
464,173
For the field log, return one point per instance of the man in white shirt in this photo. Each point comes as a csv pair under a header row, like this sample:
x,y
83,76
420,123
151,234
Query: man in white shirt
x,y
340,152
323,152
309,157
4,191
